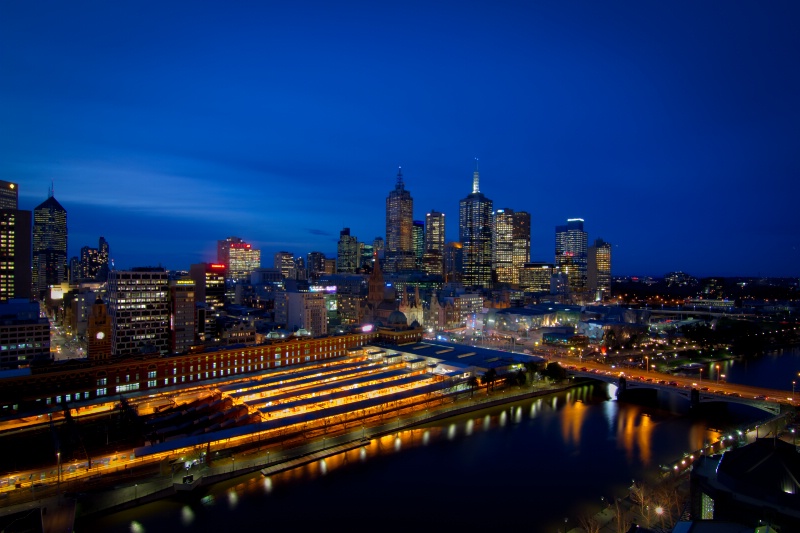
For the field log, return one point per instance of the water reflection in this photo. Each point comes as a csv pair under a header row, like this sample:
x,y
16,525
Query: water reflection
x,y
572,419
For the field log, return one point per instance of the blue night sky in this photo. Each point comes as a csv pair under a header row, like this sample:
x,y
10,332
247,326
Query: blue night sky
x,y
672,128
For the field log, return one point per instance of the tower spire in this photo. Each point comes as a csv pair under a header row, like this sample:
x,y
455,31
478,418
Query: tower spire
x,y
400,185
475,178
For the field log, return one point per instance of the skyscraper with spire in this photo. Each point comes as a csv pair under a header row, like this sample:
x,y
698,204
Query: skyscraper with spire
x,y
475,234
399,251
49,245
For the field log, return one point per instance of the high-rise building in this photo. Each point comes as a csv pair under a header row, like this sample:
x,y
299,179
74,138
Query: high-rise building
x,y
9,195
242,260
453,262
94,262
284,261
49,245
399,254
418,240
503,244
475,234
366,254
138,303
209,296
599,270
571,253
15,254
347,259
181,315
223,249
536,277
379,247
315,265
434,231
521,252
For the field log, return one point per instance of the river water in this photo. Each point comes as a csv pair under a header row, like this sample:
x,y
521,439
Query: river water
x,y
525,465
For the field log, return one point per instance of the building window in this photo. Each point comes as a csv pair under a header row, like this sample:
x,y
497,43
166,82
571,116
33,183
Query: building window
x,y
101,392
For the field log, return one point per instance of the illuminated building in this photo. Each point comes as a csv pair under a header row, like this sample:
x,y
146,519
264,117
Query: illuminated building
x,y
379,247
209,279
49,245
24,336
536,277
418,240
284,261
138,302
599,270
243,259
315,265
434,231
224,247
399,253
366,252
347,253
94,262
475,234
98,332
521,238
303,310
9,195
15,254
571,254
453,262
181,315
503,245
15,245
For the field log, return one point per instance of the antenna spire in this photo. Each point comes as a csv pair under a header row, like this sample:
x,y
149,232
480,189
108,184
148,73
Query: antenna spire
x,y
476,178
400,185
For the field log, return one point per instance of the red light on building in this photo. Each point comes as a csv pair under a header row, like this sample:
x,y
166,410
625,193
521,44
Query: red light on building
x,y
218,267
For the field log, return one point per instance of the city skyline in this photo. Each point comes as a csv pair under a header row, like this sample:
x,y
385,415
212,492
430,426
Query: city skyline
x,y
670,130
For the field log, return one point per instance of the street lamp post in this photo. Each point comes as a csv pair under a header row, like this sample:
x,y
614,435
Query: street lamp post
x,y
717,374
701,375
647,362
793,384
58,467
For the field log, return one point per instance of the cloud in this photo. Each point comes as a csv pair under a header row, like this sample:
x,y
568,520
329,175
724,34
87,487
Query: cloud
x,y
323,233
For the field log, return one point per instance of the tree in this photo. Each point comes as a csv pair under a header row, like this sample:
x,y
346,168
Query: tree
x,y
555,372
488,379
473,384
589,524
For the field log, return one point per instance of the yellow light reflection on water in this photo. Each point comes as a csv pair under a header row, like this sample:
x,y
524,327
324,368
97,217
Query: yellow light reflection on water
x,y
136,527
469,426
572,417
267,485
187,515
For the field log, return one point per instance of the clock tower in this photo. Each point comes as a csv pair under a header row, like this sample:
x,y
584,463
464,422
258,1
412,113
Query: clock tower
x,y
98,332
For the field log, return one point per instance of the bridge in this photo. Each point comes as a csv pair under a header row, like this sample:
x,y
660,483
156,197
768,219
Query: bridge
x,y
769,400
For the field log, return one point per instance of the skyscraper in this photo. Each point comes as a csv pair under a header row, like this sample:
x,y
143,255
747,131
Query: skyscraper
x,y
434,231
223,249
503,245
315,264
15,245
475,234
521,235
284,261
49,245
399,252
242,260
599,270
347,252
418,241
138,303
571,252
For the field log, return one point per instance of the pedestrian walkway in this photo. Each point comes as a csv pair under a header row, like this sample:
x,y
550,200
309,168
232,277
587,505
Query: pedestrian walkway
x,y
310,458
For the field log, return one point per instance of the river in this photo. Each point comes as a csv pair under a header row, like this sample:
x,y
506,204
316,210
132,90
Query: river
x,y
529,464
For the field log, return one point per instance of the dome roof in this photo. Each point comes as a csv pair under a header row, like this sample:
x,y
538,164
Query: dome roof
x,y
397,318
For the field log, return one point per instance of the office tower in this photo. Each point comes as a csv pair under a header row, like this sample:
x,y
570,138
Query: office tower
x,y
305,310
399,254
521,252
366,256
418,241
9,195
599,270
330,265
99,332
93,263
536,277
284,261
453,259
571,253
104,258
24,335
15,253
49,245
434,231
503,244
300,268
347,252
315,265
379,247
242,260
181,315
209,296
138,302
223,250
475,234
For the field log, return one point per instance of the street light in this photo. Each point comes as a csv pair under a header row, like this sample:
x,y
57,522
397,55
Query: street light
x,y
58,467
647,358
701,375
717,374
793,384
